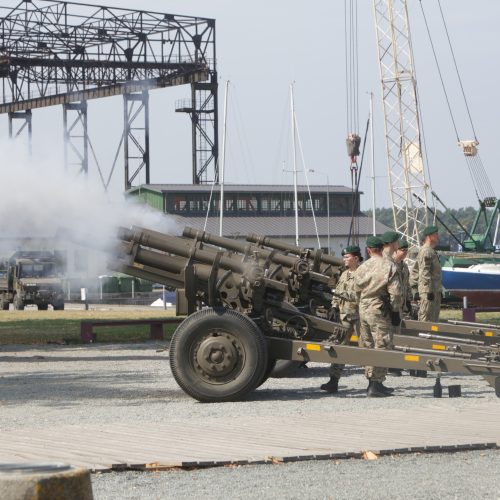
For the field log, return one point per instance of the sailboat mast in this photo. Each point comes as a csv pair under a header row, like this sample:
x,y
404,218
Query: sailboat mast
x,y
372,148
223,160
294,147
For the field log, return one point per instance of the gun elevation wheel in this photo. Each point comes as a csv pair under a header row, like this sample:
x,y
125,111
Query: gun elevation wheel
x,y
218,355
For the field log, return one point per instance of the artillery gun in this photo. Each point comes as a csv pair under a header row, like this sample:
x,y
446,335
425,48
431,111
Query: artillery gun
x,y
249,305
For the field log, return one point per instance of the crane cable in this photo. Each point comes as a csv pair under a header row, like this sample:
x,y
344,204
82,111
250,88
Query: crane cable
x,y
480,180
353,140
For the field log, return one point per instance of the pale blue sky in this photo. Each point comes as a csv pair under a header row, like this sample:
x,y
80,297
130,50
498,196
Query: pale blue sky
x,y
265,45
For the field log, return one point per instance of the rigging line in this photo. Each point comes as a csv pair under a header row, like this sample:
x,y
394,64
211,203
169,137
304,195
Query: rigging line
x,y
456,69
346,50
209,205
423,142
439,71
481,176
356,61
477,177
488,184
474,183
307,181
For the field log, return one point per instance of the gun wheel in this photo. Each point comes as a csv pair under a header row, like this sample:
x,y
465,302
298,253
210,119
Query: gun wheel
x,y
218,354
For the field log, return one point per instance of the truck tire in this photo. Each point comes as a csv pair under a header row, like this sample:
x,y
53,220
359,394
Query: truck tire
x,y
286,369
4,304
18,304
218,355
43,307
58,307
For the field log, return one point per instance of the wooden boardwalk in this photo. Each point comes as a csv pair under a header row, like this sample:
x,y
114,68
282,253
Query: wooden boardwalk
x,y
255,440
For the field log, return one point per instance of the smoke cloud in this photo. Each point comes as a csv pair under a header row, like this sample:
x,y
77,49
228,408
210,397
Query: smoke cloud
x,y
39,199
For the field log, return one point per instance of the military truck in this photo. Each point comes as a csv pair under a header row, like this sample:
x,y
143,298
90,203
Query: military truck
x,y
31,278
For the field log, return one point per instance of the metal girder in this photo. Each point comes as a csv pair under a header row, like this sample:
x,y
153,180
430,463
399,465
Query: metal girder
x,y
76,139
402,120
136,136
25,117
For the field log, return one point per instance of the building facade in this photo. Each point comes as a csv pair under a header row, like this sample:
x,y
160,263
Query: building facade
x,y
325,213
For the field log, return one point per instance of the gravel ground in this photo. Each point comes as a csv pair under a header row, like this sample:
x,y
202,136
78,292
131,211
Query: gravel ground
x,y
52,385
412,477
128,384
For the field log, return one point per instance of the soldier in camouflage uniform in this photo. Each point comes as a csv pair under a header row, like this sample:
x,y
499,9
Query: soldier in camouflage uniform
x,y
390,239
344,302
378,289
404,274
426,278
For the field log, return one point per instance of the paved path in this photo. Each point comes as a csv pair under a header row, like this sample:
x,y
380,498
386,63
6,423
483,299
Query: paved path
x,y
113,406
252,440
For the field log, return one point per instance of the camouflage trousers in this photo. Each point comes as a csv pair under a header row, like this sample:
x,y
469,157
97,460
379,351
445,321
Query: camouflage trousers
x,y
353,329
428,310
376,332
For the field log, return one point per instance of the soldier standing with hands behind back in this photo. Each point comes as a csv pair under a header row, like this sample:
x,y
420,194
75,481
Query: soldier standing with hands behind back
x,y
344,301
426,277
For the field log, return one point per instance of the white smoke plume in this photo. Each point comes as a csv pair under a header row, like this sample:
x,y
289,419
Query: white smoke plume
x,y
38,199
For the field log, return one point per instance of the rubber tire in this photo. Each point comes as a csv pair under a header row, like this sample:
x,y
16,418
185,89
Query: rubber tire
x,y
18,304
286,368
59,307
4,305
251,339
271,363
43,307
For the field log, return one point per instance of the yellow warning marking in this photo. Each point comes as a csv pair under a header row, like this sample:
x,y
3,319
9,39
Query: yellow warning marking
x,y
313,347
439,347
412,357
354,338
139,266
435,328
488,334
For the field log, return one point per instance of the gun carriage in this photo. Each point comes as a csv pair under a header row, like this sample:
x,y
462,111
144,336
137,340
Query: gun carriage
x,y
250,304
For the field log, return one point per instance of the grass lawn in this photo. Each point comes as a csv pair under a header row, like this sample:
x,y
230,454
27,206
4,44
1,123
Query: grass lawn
x,y
42,327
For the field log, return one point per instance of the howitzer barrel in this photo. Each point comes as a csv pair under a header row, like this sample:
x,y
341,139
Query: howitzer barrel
x,y
177,246
236,246
293,249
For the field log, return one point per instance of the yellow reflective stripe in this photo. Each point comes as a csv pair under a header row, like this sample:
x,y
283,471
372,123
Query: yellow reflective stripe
x,y
139,266
412,357
488,334
439,347
435,328
354,338
313,347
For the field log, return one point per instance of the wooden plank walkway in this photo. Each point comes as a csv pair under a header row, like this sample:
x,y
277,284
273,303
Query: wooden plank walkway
x,y
198,443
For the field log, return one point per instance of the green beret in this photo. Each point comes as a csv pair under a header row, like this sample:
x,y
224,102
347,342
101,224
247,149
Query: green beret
x,y
403,244
374,242
429,230
389,237
352,249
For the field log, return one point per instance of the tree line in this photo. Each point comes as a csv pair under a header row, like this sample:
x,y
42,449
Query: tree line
x,y
466,216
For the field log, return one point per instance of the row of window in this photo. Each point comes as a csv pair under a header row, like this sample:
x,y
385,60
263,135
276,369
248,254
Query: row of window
x,y
261,204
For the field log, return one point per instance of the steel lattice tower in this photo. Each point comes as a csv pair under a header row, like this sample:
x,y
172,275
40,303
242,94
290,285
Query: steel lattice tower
x,y
402,121
63,53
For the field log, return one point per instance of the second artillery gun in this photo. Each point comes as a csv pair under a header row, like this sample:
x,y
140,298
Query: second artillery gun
x,y
250,304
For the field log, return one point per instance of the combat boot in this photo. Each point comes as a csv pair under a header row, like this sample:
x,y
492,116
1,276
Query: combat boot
x,y
332,386
376,390
388,390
